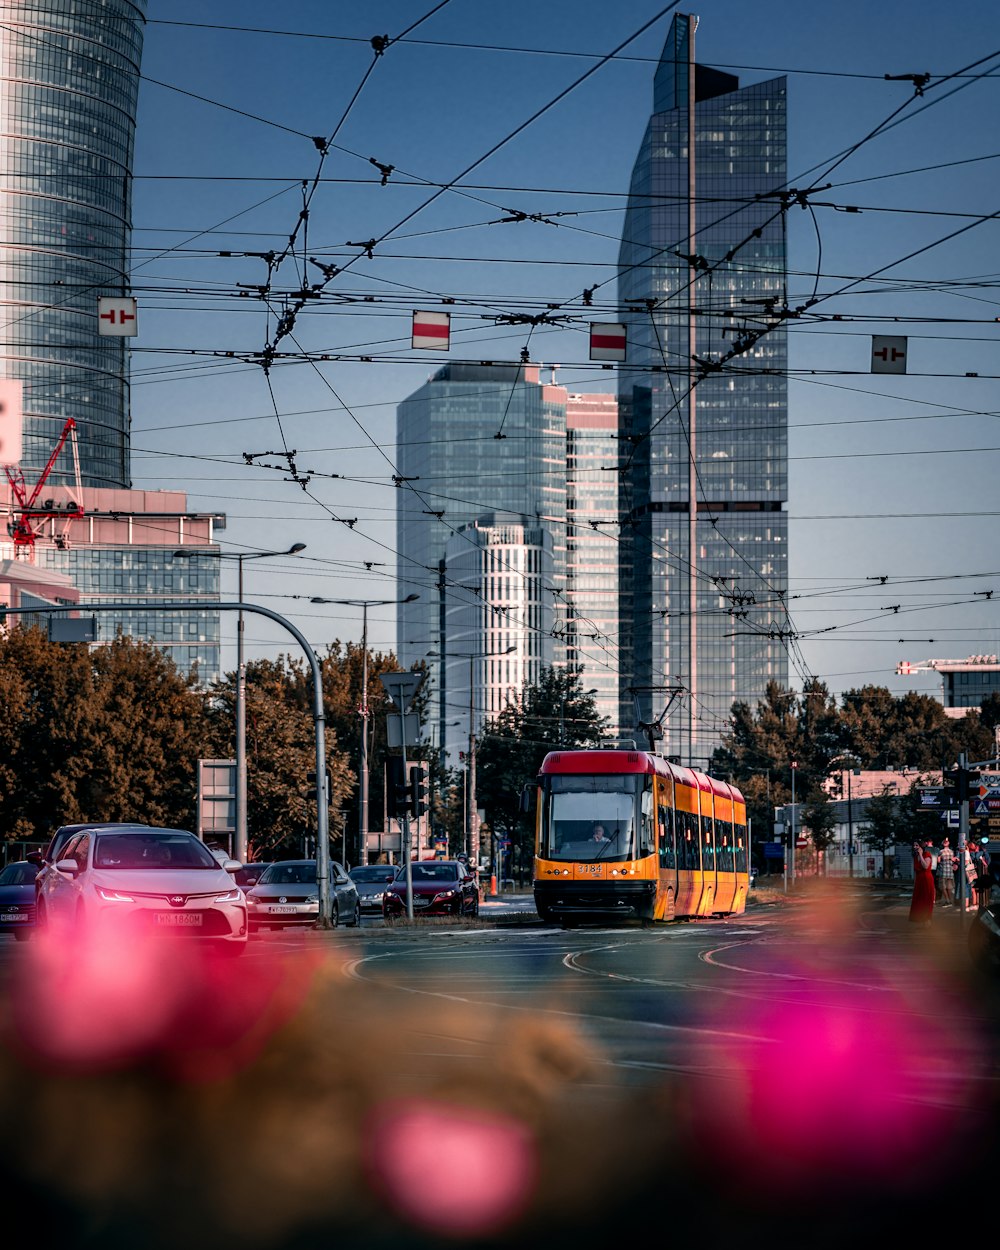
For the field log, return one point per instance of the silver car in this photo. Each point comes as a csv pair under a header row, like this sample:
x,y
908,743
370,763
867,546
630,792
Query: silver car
x,y
371,880
143,880
287,894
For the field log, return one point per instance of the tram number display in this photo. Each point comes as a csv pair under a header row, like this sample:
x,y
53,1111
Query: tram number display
x,y
591,870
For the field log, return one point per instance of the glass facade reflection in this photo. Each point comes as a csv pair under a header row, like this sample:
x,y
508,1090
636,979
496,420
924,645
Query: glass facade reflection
x,y
69,77
703,608
150,575
446,435
592,547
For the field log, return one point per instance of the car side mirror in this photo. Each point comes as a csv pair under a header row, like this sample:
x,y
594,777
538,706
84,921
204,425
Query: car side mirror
x,y
232,865
69,866
526,796
34,857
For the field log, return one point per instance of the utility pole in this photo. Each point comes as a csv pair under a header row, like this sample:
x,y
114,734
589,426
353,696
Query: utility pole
x,y
791,840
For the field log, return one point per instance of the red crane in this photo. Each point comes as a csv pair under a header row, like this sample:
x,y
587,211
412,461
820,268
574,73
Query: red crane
x,y
27,515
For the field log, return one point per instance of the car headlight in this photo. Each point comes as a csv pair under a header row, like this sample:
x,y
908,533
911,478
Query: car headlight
x,y
445,894
114,896
231,896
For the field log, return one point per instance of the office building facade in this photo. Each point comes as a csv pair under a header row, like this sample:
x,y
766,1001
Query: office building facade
x,y
703,403
69,81
593,546
474,441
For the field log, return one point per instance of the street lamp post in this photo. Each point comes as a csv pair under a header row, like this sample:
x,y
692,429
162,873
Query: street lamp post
x,y
241,840
364,604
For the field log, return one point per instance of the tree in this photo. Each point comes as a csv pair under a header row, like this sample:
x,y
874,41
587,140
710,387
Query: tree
x,y
820,818
109,733
280,755
881,828
554,712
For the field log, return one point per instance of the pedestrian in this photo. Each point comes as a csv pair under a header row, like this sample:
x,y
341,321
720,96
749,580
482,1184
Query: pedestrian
x,y
922,901
984,877
946,874
970,874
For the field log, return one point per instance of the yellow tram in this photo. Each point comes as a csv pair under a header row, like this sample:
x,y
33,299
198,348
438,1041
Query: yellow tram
x,y
626,834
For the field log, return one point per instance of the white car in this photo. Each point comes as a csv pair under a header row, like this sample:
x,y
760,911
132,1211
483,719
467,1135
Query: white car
x,y
147,881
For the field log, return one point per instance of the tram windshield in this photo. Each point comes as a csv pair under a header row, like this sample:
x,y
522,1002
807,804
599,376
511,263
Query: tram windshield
x,y
589,818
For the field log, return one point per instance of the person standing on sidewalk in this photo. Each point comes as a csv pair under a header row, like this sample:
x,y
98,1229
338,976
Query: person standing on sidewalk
x,y
984,877
946,874
922,900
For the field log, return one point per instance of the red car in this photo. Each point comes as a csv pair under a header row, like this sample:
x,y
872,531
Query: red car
x,y
441,887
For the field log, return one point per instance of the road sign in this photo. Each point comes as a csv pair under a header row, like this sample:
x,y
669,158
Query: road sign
x,y
402,730
401,687
607,340
432,330
888,353
980,807
117,316
773,850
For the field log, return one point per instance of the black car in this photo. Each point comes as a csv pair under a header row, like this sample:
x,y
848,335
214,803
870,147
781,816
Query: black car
x,y
17,899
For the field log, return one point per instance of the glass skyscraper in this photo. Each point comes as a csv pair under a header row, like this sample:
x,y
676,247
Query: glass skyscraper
x,y
703,403
473,441
69,79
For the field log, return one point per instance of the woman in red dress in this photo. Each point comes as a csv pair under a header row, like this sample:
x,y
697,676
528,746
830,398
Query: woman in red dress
x,y
922,902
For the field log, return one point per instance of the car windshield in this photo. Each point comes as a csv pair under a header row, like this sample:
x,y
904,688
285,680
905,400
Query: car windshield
x,y
289,874
432,872
20,873
152,850
373,872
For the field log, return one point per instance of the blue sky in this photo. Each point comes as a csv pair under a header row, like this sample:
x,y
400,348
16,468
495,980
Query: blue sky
x,y
890,477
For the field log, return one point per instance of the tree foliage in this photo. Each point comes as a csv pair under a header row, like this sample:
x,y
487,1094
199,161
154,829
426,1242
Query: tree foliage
x,y
109,733
871,727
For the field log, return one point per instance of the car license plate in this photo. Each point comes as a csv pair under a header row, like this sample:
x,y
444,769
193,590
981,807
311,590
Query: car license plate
x,y
283,911
14,915
179,919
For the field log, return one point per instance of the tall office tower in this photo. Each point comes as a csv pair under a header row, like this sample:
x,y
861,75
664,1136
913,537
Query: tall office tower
x,y
504,566
473,440
703,402
593,547
69,80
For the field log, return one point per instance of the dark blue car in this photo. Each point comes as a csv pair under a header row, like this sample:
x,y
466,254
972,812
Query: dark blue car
x,y
17,899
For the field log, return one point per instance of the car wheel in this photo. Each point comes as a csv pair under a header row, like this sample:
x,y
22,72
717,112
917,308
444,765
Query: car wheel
x,y
22,935
41,918
355,920
474,913
335,916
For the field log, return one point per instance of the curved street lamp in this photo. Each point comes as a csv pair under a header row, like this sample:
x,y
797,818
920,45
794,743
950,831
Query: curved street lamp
x,y
240,841
364,604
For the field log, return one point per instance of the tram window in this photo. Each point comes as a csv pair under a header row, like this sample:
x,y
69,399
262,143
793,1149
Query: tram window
x,y
647,832
741,848
725,854
687,841
668,851
576,805
707,844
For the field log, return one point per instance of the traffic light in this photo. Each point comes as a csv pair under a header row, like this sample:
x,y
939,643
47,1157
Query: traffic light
x,y
397,792
963,779
418,790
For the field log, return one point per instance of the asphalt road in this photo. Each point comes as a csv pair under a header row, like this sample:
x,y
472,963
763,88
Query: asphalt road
x,y
811,1061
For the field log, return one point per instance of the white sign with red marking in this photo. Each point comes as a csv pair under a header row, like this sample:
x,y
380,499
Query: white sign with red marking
x,y
117,315
888,353
432,330
607,340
